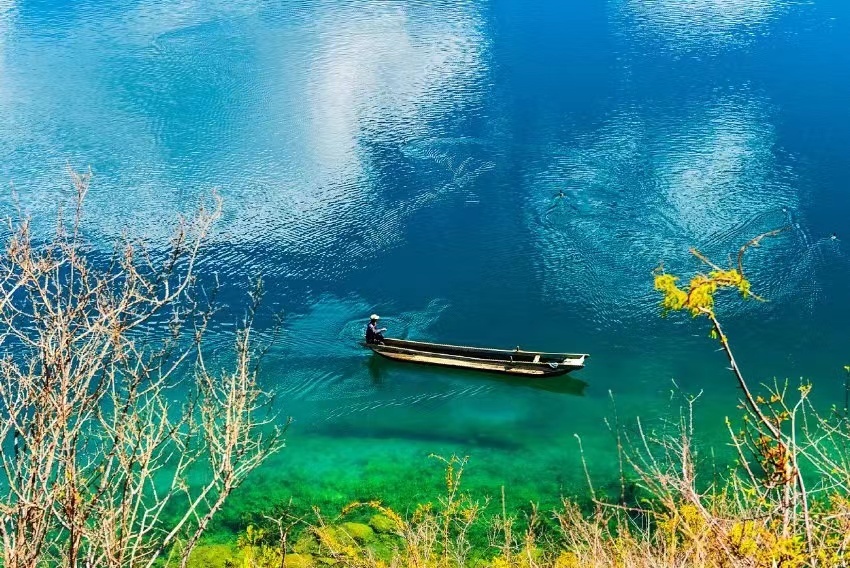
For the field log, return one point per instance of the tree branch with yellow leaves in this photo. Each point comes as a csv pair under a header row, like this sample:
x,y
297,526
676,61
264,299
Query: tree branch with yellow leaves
x,y
778,451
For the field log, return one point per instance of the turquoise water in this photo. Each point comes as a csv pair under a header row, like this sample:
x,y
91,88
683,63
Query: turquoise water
x,y
405,157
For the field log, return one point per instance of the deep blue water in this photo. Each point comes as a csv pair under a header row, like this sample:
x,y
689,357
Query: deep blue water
x,y
404,158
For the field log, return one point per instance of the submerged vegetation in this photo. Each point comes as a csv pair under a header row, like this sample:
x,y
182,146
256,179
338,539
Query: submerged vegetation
x,y
784,502
102,466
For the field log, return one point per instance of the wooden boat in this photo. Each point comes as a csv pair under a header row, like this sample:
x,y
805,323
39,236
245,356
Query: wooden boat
x,y
533,364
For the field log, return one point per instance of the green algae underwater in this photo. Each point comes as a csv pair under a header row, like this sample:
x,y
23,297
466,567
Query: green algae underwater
x,y
674,515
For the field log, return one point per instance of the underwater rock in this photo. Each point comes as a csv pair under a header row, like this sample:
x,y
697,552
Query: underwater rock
x,y
306,543
213,556
358,531
299,561
383,524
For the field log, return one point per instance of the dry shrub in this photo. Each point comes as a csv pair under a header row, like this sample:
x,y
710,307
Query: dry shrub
x,y
108,405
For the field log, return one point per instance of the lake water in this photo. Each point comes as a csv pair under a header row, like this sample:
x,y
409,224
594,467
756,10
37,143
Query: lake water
x,y
405,157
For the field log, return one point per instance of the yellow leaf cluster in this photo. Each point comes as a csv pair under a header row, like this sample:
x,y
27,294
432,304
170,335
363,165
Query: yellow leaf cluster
x,y
698,297
568,560
764,547
674,299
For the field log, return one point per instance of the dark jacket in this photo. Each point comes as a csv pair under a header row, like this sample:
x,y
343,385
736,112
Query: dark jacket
x,y
372,333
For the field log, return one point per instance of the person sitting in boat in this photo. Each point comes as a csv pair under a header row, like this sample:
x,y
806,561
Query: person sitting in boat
x,y
373,334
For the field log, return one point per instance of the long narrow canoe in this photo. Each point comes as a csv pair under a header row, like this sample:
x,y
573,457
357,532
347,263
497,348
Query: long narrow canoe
x,y
533,364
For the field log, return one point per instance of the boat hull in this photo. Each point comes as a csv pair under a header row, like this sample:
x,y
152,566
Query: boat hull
x,y
528,364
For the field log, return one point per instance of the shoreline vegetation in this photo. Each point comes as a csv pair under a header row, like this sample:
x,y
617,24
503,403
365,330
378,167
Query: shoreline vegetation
x,y
122,445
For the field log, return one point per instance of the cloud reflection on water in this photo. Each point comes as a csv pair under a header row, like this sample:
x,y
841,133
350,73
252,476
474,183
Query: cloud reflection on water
x,y
291,110
651,185
703,25
7,15
381,71
377,77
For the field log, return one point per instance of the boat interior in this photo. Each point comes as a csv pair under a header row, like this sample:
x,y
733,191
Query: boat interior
x,y
479,353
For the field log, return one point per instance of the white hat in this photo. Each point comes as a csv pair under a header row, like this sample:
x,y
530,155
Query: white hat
x,y
374,317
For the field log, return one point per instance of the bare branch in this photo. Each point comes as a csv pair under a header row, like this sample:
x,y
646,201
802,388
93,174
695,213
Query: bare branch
x,y
93,356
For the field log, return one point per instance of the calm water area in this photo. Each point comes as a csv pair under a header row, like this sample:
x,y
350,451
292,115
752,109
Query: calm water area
x,y
408,158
